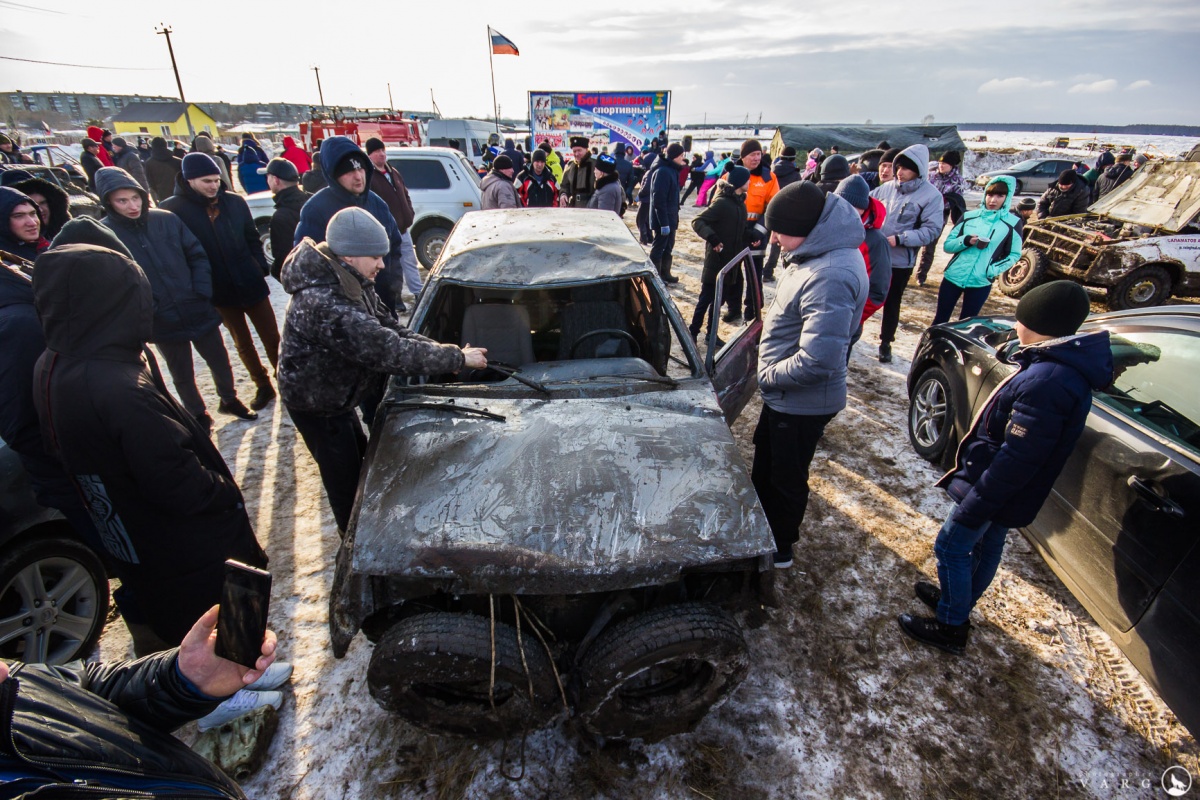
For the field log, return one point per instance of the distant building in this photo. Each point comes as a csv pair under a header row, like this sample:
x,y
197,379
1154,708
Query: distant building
x,y
163,119
65,109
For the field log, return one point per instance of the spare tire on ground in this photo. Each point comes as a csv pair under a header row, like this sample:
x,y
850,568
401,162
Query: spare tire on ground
x,y
435,671
658,673
1028,272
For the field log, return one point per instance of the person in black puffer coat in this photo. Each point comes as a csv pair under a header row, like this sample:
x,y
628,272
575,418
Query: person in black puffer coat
x,y
1114,176
1070,194
222,222
722,226
165,503
162,168
181,278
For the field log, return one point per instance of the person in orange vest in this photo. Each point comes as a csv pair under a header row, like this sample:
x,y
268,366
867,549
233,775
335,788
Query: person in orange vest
x,y
762,187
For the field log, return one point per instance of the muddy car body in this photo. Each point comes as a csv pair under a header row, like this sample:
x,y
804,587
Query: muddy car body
x,y
574,530
1140,243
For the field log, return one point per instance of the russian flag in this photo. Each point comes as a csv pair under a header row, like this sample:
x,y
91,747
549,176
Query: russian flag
x,y
501,44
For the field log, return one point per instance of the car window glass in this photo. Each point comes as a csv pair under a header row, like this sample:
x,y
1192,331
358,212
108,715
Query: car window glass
x,y
421,173
1157,383
1048,168
1023,165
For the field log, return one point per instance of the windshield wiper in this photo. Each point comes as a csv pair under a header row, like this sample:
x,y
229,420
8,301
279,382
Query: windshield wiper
x,y
510,371
663,379
402,406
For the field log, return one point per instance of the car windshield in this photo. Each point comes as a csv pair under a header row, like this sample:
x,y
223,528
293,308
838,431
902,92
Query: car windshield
x,y
614,331
1024,165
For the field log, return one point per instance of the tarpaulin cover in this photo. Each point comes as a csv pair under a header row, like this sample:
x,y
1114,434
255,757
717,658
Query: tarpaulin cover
x,y
852,139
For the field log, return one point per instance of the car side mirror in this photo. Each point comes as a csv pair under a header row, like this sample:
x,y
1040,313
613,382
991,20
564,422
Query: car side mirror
x,y
1007,350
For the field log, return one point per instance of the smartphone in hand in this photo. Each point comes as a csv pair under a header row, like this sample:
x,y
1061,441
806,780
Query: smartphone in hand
x,y
242,618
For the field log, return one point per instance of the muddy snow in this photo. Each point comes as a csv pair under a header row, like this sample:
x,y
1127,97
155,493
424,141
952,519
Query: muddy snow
x,y
837,703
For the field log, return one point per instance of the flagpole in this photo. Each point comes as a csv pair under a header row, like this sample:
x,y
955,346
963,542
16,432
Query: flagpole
x,y
492,67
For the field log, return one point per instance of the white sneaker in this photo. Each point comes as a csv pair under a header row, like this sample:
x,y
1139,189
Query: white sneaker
x,y
239,705
276,675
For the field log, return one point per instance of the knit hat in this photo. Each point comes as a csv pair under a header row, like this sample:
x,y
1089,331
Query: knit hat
x,y
606,164
738,177
835,168
158,142
502,162
1140,158
354,232
796,209
538,155
889,156
902,160
883,145
1056,308
348,163
199,165
1026,204
579,141
281,168
4,139
119,141
545,147
951,157
789,153
1067,177
855,191
375,143
88,142
88,230
674,151
11,177
750,146
869,161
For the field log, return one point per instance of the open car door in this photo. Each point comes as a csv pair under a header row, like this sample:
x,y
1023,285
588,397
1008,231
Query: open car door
x,y
734,369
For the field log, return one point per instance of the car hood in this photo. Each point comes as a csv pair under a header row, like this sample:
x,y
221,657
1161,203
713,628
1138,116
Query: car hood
x,y
562,496
1162,195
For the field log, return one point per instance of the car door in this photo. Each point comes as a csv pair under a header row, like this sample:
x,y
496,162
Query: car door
x,y
1042,176
1124,512
433,184
733,368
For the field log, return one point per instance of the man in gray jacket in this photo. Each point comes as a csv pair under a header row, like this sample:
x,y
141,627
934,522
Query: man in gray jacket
x,y
914,219
499,191
802,357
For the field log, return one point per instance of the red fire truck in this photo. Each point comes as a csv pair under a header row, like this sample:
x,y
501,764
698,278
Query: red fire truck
x,y
390,126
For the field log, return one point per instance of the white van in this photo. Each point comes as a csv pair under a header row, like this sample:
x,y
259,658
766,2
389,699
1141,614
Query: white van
x,y
472,136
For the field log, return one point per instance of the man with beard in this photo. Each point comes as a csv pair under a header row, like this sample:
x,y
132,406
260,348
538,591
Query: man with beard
x,y
283,181
578,180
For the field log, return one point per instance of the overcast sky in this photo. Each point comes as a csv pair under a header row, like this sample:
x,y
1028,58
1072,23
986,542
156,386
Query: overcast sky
x,y
1079,61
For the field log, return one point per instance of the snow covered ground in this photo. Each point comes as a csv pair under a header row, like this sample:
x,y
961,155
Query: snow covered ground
x,y
837,703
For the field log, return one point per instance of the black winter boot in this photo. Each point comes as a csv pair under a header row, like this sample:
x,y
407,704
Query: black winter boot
x,y
664,269
928,593
928,630
263,397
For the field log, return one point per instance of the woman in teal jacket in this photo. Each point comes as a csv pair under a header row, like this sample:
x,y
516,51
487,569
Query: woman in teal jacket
x,y
984,244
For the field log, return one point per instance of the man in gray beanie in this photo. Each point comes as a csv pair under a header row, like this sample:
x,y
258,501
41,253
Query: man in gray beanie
x,y
340,343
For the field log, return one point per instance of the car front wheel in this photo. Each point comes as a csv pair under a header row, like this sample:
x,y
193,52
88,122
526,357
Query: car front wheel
x,y
1028,272
931,415
1142,288
429,245
658,673
53,601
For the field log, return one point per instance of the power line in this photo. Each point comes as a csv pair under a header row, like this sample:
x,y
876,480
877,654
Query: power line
x,y
23,7
82,66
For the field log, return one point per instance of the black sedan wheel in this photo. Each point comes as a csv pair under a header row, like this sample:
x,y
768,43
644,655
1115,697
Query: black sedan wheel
x,y
435,670
53,601
1142,288
1028,272
658,673
930,415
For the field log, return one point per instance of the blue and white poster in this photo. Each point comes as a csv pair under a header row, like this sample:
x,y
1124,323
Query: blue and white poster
x,y
604,117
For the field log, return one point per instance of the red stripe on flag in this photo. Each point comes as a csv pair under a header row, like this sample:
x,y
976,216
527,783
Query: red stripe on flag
x,y
505,50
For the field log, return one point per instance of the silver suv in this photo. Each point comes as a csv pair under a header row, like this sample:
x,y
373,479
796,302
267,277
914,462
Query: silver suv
x,y
443,186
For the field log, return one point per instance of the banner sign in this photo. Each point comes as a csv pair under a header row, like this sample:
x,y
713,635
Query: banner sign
x,y
604,117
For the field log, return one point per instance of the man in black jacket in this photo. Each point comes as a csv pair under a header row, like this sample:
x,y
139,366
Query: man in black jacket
x,y
722,226
1069,195
1115,175
225,227
388,183
283,179
162,169
181,278
90,161
536,185
664,210
99,730
163,500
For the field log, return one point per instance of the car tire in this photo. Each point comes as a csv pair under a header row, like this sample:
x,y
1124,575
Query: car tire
x,y
434,670
1144,287
658,673
1020,186
931,415
53,600
264,235
1029,271
429,244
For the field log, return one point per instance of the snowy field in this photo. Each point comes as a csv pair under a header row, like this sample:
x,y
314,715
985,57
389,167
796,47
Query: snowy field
x,y
837,703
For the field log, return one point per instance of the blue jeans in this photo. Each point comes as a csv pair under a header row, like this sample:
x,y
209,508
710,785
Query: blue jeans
x,y
967,560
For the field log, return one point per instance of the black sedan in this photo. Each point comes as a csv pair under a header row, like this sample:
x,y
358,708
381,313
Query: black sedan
x,y
1122,526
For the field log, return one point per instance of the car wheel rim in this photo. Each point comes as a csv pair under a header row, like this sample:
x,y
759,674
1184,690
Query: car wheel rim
x,y
1018,271
929,413
1142,292
434,248
47,610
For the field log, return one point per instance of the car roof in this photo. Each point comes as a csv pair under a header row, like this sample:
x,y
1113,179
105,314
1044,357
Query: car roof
x,y
395,150
542,246
1186,313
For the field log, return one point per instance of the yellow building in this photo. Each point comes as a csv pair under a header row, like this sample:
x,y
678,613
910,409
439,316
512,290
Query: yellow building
x,y
162,119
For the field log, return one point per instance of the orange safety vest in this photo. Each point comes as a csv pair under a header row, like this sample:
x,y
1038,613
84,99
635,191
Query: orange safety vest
x,y
759,193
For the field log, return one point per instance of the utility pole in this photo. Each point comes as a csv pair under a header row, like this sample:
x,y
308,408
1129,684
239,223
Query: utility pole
x,y
163,30
320,93
391,105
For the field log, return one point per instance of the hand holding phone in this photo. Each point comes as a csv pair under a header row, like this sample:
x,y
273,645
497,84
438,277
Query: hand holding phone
x,y
242,619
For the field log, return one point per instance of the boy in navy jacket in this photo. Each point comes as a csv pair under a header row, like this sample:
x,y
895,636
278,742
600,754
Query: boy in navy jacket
x,y
1009,460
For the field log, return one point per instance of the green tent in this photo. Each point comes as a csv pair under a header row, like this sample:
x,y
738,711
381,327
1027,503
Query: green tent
x,y
852,139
